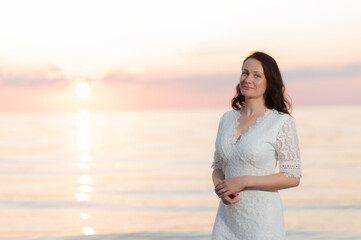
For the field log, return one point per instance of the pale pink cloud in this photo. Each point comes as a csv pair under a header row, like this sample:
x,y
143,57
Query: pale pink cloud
x,y
31,76
48,89
333,91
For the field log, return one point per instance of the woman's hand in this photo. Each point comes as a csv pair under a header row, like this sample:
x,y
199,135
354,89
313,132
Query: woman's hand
x,y
230,186
231,199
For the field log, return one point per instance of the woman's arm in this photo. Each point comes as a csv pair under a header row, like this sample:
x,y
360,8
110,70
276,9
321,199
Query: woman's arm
x,y
218,177
271,182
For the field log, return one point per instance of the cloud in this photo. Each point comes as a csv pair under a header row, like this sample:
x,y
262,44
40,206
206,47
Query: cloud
x,y
352,70
120,75
213,83
31,76
207,83
198,83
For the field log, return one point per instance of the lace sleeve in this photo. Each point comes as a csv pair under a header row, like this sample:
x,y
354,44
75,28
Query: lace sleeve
x,y
217,161
287,148
217,158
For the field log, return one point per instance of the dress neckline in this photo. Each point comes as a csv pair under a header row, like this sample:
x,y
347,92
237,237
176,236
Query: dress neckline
x,y
257,122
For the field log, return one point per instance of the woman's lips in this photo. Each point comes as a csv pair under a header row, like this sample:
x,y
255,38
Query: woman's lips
x,y
247,87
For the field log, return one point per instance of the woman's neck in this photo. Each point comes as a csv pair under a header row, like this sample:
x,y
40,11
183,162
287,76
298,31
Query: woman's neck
x,y
254,106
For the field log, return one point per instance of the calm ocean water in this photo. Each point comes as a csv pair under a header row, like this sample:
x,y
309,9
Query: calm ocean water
x,y
146,175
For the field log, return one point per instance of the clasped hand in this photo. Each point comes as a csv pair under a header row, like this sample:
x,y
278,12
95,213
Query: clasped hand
x,y
228,190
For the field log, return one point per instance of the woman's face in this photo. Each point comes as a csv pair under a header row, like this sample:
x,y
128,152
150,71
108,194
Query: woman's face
x,y
253,82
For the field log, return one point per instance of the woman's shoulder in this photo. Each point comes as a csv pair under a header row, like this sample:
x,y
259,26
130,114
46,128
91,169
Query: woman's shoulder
x,y
229,114
282,117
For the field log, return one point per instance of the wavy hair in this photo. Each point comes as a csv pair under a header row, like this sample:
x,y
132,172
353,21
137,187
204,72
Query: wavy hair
x,y
274,95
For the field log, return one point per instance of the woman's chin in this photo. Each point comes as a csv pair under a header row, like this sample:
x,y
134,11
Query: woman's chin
x,y
247,94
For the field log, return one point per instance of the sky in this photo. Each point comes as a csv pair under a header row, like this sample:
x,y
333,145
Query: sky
x,y
173,54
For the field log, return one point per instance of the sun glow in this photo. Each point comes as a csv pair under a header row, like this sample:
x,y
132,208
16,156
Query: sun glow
x,y
83,90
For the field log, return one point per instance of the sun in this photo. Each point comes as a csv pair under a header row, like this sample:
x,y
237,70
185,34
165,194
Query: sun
x,y
83,90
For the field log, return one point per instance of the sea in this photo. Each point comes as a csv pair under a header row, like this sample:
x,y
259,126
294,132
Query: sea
x,y
146,174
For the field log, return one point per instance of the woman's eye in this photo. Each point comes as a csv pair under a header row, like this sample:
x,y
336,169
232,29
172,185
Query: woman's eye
x,y
257,76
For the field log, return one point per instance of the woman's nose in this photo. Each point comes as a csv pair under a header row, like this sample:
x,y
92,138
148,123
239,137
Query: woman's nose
x,y
247,79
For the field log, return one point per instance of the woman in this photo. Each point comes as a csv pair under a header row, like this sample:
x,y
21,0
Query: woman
x,y
251,139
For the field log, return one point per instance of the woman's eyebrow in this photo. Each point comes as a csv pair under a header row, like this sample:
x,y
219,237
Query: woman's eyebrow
x,y
246,70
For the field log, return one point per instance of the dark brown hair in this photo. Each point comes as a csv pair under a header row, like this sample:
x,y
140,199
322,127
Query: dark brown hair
x,y
274,95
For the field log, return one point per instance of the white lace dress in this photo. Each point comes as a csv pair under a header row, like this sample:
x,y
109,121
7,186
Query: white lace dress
x,y
273,138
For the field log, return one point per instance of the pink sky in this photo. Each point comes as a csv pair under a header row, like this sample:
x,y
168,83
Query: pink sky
x,y
179,55
187,92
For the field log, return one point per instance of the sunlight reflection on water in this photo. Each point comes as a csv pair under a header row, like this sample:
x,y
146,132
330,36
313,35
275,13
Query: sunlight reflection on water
x,y
85,181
